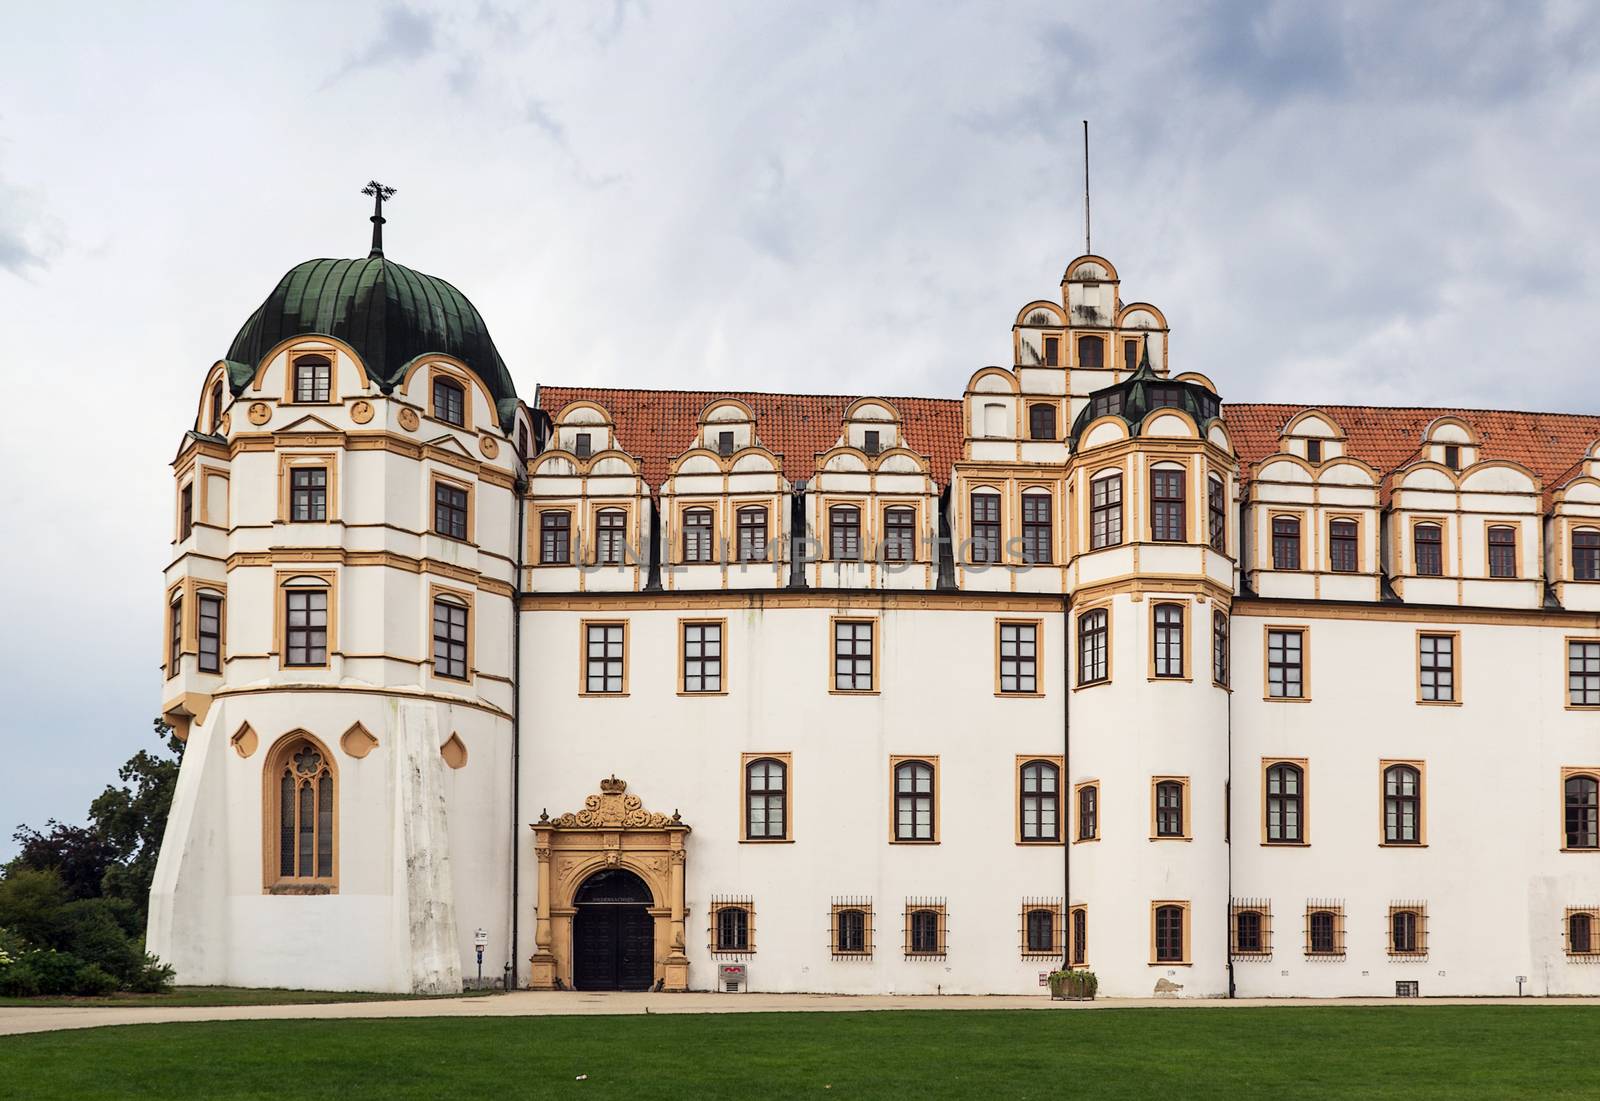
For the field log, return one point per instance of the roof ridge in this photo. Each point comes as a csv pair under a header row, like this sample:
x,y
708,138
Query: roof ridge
x,y
543,386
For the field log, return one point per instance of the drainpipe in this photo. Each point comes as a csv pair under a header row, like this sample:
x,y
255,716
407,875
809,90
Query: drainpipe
x,y
1068,801
516,723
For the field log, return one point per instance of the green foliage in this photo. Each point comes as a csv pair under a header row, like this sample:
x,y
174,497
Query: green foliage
x,y
30,905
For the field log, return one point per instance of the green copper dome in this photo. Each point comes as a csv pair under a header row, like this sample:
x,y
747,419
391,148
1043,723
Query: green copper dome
x,y
388,313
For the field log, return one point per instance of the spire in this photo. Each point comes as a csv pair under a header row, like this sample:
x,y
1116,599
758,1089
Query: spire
x,y
379,193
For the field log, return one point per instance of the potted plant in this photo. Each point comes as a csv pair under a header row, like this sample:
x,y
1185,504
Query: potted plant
x,y
1073,986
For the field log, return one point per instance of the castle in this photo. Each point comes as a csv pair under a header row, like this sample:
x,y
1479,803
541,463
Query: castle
x,y
869,694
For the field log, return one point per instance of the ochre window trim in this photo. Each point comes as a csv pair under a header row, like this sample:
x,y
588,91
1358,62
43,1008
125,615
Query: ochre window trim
x,y
1077,811
442,372
840,905
714,911
282,583
291,376
1077,646
1568,773
1420,909
932,761
1187,808
1262,909
938,907
277,759
1184,930
877,650
1455,667
1304,765
1055,948
1422,803
461,598
1185,641
786,759
1336,910
435,479
288,463
1592,953
583,657
1037,662
721,624
1063,815
1267,631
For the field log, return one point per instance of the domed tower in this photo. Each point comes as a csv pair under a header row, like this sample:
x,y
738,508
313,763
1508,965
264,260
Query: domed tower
x,y
1152,480
338,643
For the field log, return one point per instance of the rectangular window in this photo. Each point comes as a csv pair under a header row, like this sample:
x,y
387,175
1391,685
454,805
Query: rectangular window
x,y
313,379
872,444
1284,804
1169,932
702,656
1342,546
899,535
449,510
1250,928
985,527
1286,663
1408,929
1130,355
1091,353
605,658
1042,422
1586,554
583,445
1170,806
174,637
1094,663
305,627
1217,515
853,659
555,537
308,494
1436,668
1428,549
1105,511
1583,673
1019,658
185,512
1285,543
1324,929
1219,648
1088,812
1167,506
1502,551
449,402
611,536
697,535
1080,936
733,927
1036,539
1052,351
725,444
209,630
1313,451
1168,630
753,534
1106,403
449,638
1452,456
844,533
914,795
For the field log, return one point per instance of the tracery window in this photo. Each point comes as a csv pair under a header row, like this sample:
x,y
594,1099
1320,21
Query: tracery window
x,y
302,831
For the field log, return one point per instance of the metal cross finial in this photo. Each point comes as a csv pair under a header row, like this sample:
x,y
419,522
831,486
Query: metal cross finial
x,y
379,193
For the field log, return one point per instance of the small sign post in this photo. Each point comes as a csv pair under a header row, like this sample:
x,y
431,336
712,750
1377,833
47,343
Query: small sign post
x,y
480,941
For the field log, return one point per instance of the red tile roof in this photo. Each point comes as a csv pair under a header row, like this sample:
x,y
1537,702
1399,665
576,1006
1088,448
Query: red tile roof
x,y
659,425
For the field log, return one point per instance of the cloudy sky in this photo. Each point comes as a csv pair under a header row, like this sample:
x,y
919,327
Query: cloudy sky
x,y
1368,203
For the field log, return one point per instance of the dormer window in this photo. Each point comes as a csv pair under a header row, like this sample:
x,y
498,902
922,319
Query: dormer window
x,y
1091,353
872,446
1042,422
582,446
1107,403
1052,351
1157,397
1586,554
725,444
1428,549
1452,456
216,408
449,402
313,379
1313,451
1502,551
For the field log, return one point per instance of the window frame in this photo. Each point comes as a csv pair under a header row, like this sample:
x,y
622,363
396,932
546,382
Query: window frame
x,y
1590,556
1513,548
1418,525
992,541
1418,913
1421,800
915,929
1286,540
1301,800
1028,947
897,530
1089,341
1336,949
1107,513
584,628
185,510
1221,649
748,552
1267,664
1217,513
1035,663
838,910
175,633
202,597
1038,536
1086,632
277,760
1181,784
697,525
834,655
548,531
458,600
1568,775
715,945
845,526
1261,911
1057,772
1078,791
1163,505
1454,670
1577,648
1156,907
317,580
314,495
1592,915
896,763
684,659
1078,933
1161,635
611,523
1335,541
441,381
330,359
1037,411
437,483
748,761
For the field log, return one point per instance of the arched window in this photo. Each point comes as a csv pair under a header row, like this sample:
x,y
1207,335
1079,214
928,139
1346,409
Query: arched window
x,y
303,831
1169,921
900,534
449,401
1322,933
1582,805
1093,653
1402,805
611,536
753,534
1080,936
555,537
1091,353
1105,511
1502,551
766,800
733,929
1042,421
913,801
850,932
305,621
1217,515
1219,648
1171,816
985,526
1580,933
1037,548
844,533
313,378
1089,812
1586,554
1285,804
1285,543
1168,640
1428,549
1040,931
1167,524
697,535
1041,801
1248,933
924,939
1405,932
216,407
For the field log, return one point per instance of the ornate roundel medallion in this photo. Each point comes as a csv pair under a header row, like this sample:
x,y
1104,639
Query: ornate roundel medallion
x,y
260,412
361,412
408,420
489,446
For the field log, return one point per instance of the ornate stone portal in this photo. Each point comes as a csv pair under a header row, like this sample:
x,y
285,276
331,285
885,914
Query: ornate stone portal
x,y
613,830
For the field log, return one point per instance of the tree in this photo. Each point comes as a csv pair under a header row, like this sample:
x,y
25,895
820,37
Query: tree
x,y
79,855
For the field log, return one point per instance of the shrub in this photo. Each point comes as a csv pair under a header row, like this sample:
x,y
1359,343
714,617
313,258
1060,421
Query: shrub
x,y
57,971
93,981
30,905
18,979
90,931
154,977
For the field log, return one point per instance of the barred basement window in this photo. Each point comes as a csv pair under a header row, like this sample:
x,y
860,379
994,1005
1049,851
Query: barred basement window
x,y
1080,936
844,533
302,822
605,653
753,534
449,402
1219,649
900,535
985,527
555,537
1041,925
305,626
697,535
1285,543
914,793
449,510
766,785
1427,547
313,378
733,922
1583,673
1251,929
925,928
308,494
1217,515
1581,810
1324,930
1581,932
1402,805
1105,511
1036,537
611,535
854,661
1285,806
1089,812
1502,551
1408,930
1093,654
850,928
1019,658
1586,554
209,631
1342,546
1168,640
1040,803
1167,524
1285,664
1436,668
1169,922
702,656
449,638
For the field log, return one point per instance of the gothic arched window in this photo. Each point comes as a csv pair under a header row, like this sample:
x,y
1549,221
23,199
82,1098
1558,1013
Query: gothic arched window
x,y
302,837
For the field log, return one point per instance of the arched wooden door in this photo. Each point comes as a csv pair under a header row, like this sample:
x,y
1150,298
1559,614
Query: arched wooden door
x,y
613,934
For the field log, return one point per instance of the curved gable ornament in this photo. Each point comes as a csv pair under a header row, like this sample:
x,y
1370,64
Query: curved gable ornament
x,y
612,809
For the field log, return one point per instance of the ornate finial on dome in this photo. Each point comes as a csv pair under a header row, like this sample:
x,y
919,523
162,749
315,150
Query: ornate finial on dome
x,y
613,786
379,194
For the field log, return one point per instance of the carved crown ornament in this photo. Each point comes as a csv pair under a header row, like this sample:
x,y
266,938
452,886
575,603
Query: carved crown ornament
x,y
614,809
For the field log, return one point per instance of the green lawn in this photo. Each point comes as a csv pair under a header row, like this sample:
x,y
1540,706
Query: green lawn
x,y
1403,1052
225,995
